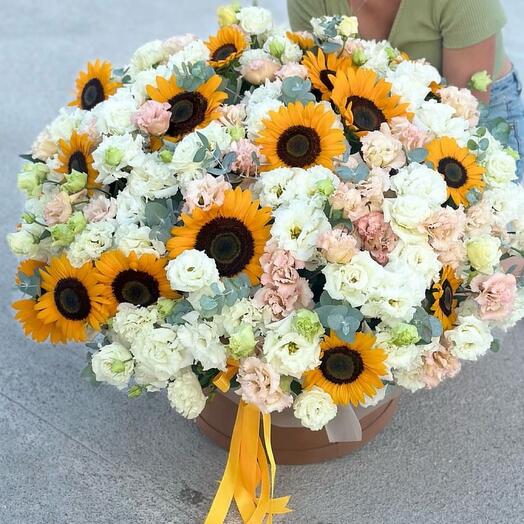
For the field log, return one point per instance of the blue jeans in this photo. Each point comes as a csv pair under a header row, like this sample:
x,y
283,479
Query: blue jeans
x,y
506,103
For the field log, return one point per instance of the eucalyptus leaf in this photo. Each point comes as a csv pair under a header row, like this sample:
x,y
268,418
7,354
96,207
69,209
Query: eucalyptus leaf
x,y
418,154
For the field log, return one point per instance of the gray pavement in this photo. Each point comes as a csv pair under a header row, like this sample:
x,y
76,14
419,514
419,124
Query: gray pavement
x,y
73,454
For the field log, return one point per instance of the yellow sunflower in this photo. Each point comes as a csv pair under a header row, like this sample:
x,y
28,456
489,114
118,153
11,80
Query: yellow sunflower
x,y
322,69
365,100
444,306
73,299
139,280
28,268
458,167
34,327
94,85
349,372
301,136
226,46
75,153
190,110
303,39
233,234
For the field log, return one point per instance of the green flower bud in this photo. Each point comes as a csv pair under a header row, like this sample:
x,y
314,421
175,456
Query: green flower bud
x,y
28,218
75,182
166,156
359,57
325,187
165,306
135,391
113,156
227,15
307,324
285,383
480,81
276,48
392,54
76,222
62,235
237,133
242,343
512,153
118,366
31,178
404,335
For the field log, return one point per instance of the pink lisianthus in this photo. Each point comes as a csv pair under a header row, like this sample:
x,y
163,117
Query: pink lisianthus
x,y
408,134
280,270
377,236
292,69
348,199
338,245
58,210
463,102
177,43
444,226
153,117
373,188
205,192
283,300
479,218
496,295
232,116
246,152
260,385
438,366
382,149
259,70
100,208
454,255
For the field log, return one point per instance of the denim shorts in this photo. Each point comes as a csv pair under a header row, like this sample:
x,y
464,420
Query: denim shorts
x,y
506,103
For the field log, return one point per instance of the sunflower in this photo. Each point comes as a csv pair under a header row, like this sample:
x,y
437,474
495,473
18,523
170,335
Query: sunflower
x,y
28,268
76,154
459,168
34,327
189,109
322,69
233,234
349,372
94,85
72,299
301,136
138,280
303,39
226,46
444,306
365,100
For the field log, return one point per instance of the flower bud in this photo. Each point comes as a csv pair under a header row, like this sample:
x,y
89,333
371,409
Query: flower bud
x,y
227,15
359,57
31,177
166,156
242,343
348,26
113,156
404,335
75,182
165,306
480,81
308,324
118,366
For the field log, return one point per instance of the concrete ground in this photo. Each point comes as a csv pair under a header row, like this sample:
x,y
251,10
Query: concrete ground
x,y
71,454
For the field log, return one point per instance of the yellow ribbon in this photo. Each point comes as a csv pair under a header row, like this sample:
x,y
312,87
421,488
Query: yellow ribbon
x,y
247,469
223,379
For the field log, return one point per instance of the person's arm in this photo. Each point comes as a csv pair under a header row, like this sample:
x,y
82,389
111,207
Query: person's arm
x,y
302,11
459,65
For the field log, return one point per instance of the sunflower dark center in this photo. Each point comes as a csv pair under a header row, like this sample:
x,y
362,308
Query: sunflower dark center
x,y
224,52
446,300
72,299
188,110
298,146
229,242
341,365
77,161
92,94
453,171
366,115
136,287
324,78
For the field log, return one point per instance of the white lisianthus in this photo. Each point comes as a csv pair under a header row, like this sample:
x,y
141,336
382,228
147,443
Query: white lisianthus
x,y
193,52
269,90
313,185
470,339
130,321
130,209
377,55
186,396
314,408
355,281
131,237
405,214
421,181
145,78
438,119
114,115
152,179
25,242
271,186
202,339
398,356
115,154
146,56
501,168
410,378
506,203
255,20
517,314
257,113
191,271
279,46
420,257
244,312
297,228
483,253
96,238
159,357
291,353
113,364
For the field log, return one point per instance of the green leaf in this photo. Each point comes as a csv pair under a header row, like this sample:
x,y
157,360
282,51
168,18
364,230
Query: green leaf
x,y
30,158
418,154
296,387
472,145
484,144
156,212
29,285
89,374
200,155
495,346
181,308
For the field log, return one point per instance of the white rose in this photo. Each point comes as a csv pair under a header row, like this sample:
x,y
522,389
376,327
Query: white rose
x,y
114,115
255,20
186,396
297,228
113,364
191,271
314,408
96,238
130,237
131,320
353,281
159,357
483,253
501,169
146,56
130,209
291,353
470,339
421,181
348,26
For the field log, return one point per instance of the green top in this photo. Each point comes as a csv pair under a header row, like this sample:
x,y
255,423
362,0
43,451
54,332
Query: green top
x,y
423,27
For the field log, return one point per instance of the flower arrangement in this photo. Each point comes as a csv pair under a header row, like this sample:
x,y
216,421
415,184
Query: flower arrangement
x,y
301,218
